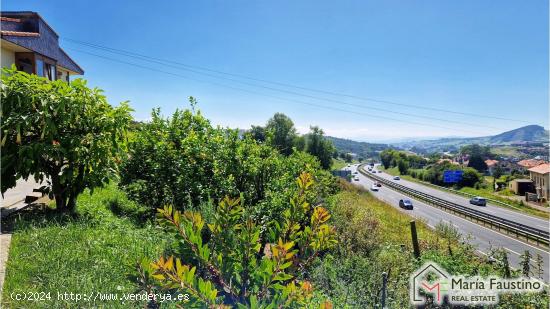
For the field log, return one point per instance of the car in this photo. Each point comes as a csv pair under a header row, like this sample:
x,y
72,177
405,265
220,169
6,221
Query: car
x,y
355,173
356,178
374,172
378,184
406,204
374,188
379,171
396,178
479,201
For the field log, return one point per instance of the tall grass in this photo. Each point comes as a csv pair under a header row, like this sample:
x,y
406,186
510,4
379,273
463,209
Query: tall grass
x,y
93,251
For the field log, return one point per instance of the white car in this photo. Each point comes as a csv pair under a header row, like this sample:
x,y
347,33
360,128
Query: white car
x,y
396,178
356,178
374,188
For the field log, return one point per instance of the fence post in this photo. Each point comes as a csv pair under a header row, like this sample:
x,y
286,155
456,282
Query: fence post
x,y
384,285
416,247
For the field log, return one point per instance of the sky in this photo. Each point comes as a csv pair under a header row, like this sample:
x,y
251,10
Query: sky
x,y
386,69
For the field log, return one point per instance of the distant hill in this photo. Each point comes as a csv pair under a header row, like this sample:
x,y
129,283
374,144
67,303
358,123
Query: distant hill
x,y
532,133
527,134
362,149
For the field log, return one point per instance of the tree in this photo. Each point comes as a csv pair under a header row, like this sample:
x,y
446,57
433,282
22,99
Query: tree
x,y
318,146
348,158
498,172
234,264
470,177
281,133
66,134
477,162
403,166
525,261
257,133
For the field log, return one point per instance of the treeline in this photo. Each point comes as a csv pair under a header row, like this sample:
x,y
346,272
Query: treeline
x,y
280,133
428,170
363,150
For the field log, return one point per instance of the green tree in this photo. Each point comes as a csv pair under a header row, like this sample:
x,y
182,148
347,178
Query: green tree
x,y
320,147
525,261
470,177
348,158
281,133
66,134
403,167
477,162
257,133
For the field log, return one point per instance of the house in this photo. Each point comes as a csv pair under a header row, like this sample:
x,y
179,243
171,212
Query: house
x,y
540,175
491,165
529,163
33,46
521,186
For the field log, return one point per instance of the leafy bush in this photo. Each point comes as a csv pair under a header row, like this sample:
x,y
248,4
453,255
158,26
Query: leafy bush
x,y
64,133
184,161
234,264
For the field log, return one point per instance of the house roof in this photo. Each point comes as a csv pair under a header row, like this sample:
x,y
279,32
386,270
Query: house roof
x,y
529,163
19,33
490,162
541,169
29,30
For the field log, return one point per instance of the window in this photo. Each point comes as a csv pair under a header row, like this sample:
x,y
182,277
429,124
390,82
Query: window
x,y
39,67
49,71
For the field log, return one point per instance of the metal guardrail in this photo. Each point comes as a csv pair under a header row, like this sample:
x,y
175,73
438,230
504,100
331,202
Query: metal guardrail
x,y
493,201
518,230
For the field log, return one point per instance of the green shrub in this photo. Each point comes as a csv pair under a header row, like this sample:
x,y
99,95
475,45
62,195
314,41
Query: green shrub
x,y
235,265
184,161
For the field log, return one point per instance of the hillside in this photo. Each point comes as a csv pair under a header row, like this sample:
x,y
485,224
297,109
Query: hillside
x,y
362,149
532,133
527,134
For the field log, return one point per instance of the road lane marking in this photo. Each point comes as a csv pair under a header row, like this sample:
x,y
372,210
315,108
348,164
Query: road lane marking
x,y
511,251
453,195
475,224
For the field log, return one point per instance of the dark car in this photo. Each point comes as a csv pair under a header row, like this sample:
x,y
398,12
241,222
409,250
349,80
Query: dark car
x,y
407,204
479,201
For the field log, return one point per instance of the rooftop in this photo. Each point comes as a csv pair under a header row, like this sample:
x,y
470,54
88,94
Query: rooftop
x,y
541,169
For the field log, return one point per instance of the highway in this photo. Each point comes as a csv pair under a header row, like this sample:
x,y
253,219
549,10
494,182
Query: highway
x,y
483,237
490,209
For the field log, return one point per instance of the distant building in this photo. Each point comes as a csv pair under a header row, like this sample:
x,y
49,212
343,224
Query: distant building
x,y
491,166
540,175
529,163
521,186
33,46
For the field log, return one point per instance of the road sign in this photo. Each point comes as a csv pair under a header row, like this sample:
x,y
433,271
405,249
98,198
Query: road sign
x,y
452,176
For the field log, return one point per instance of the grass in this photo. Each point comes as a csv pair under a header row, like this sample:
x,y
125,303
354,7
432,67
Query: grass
x,y
93,251
381,242
483,192
338,164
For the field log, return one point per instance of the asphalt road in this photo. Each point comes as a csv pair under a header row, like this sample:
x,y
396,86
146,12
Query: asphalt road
x,y
484,238
461,200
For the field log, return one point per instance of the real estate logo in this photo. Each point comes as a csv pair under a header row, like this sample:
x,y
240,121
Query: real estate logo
x,y
432,281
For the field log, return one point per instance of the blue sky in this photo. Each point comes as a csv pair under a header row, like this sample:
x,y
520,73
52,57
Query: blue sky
x,y
484,57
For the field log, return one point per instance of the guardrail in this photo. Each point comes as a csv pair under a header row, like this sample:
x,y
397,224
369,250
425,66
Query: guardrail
x,y
493,201
518,230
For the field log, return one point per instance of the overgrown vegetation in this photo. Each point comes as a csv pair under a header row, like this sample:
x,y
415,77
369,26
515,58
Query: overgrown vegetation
x,y
251,220
240,262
